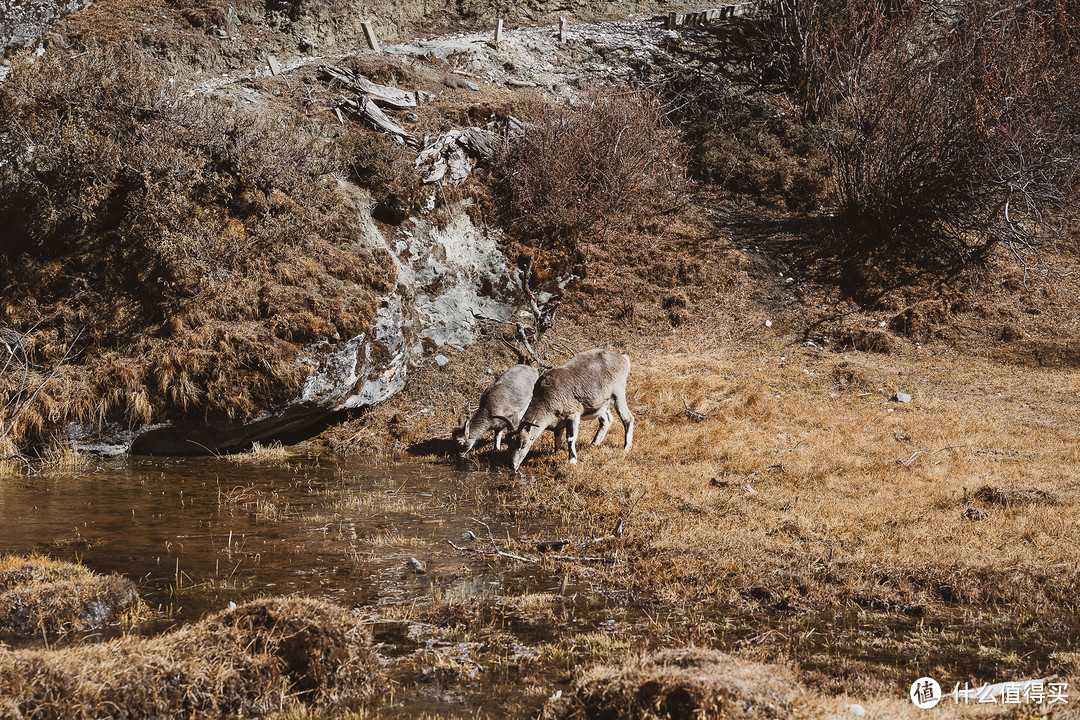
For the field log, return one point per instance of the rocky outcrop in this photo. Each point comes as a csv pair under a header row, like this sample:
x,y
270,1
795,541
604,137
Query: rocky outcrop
x,y
446,273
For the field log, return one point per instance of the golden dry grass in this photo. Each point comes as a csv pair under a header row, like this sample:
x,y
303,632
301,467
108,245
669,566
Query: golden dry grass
x,y
39,595
695,683
269,655
794,476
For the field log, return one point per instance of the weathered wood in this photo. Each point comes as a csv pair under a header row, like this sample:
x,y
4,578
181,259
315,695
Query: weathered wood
x,y
366,108
369,34
385,95
702,18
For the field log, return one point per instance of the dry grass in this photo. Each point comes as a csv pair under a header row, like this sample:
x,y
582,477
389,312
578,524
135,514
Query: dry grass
x,y
258,453
269,655
796,478
682,684
219,242
693,683
39,595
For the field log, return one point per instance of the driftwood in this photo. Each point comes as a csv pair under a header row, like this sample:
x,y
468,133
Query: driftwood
x,y
384,95
364,107
450,155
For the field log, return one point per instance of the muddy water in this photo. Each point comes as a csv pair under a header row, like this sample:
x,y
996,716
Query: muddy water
x,y
197,534
460,637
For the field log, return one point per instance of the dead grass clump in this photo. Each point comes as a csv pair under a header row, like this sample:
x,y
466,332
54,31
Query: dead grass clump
x,y
216,238
686,683
1011,495
269,655
871,340
41,595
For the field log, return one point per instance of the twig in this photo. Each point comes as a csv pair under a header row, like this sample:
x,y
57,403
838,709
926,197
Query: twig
x,y
917,453
572,558
694,414
486,526
501,553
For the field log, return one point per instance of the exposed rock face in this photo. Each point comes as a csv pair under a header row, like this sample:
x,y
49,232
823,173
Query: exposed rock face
x,y
445,274
24,22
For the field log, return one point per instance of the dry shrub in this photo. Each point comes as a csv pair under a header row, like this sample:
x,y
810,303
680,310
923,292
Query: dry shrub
x,y
949,132
40,595
180,250
748,143
383,167
269,655
590,168
682,684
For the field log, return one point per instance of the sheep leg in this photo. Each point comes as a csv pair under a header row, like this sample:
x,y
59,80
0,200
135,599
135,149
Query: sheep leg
x,y
571,437
605,425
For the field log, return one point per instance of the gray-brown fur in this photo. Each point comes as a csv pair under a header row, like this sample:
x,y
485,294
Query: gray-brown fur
x,y
501,407
582,389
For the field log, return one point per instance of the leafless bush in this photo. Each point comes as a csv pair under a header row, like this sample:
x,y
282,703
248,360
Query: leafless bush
x,y
948,126
589,168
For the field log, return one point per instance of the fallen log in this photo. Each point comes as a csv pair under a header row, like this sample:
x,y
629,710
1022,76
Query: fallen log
x,y
365,107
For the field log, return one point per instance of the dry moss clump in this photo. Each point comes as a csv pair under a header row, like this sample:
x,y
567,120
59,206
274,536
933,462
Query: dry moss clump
x,y
270,655
40,595
685,683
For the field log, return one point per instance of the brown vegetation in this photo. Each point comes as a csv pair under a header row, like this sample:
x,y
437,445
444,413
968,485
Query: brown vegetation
x,y
40,596
949,131
589,169
163,257
269,655
683,685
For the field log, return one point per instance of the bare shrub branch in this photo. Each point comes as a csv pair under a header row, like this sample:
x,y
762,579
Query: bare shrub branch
x,y
589,168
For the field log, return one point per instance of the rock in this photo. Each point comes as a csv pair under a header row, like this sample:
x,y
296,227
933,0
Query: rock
x,y
974,513
902,397
275,66
415,566
26,22
768,323
442,360
445,273
856,709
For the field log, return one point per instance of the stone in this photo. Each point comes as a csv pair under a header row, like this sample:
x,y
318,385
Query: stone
x,y
974,513
902,397
856,709
275,66
442,360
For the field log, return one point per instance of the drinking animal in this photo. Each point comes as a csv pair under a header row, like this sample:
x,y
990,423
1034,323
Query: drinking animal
x,y
501,407
582,389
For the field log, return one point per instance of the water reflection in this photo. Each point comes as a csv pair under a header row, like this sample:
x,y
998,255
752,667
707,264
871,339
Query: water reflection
x,y
199,533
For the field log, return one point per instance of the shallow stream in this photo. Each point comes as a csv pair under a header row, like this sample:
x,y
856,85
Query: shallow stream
x,y
462,630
